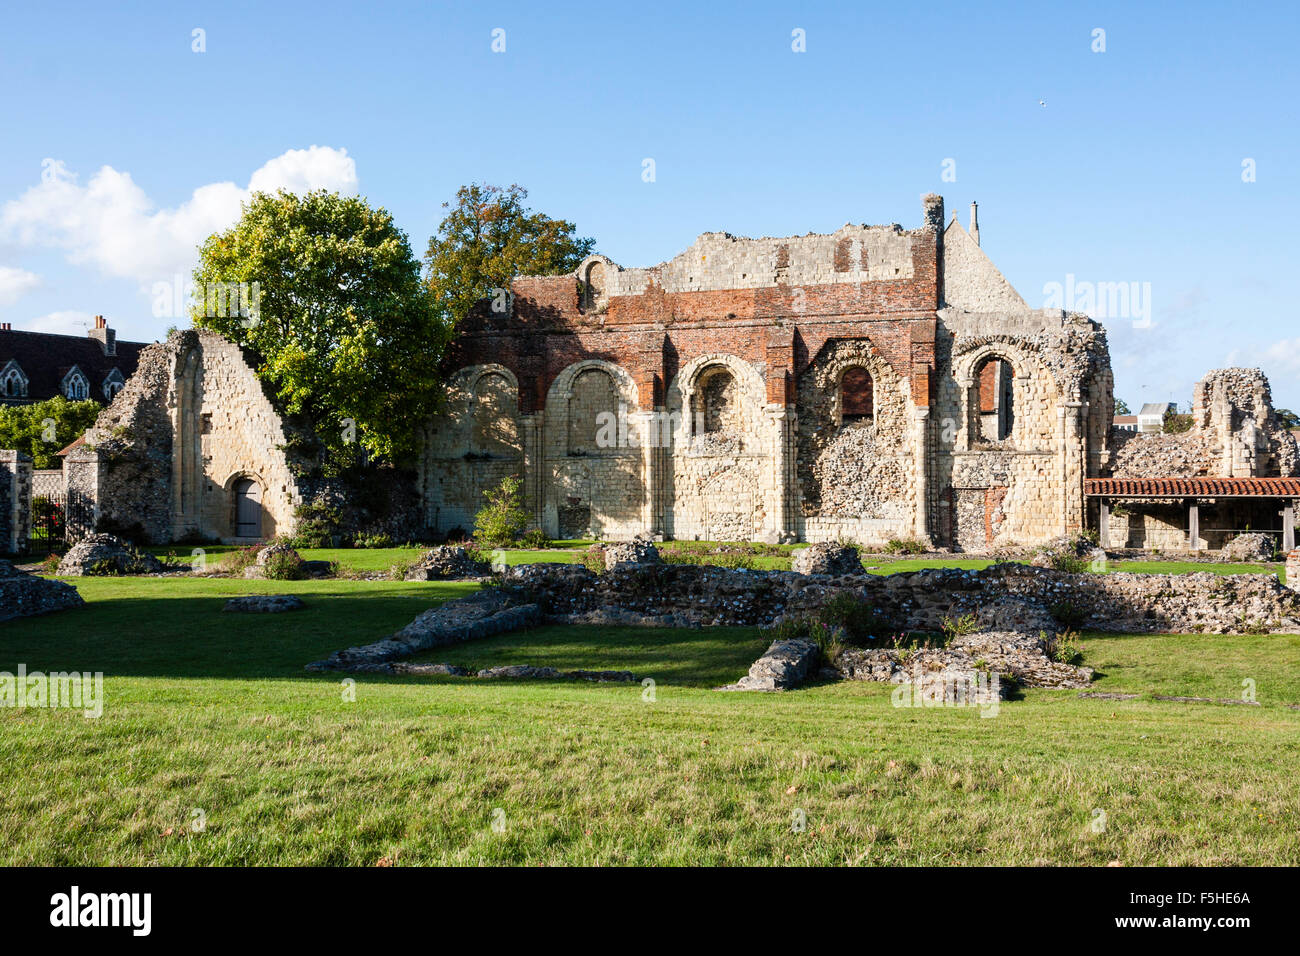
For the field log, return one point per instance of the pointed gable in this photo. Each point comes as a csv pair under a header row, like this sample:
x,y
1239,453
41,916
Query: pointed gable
x,y
971,281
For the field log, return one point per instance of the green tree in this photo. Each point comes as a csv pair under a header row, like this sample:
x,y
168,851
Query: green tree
x,y
503,519
1121,407
333,303
43,428
1288,418
1176,422
487,239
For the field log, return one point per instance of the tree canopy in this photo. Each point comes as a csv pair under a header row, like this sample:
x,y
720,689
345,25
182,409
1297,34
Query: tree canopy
x,y
328,292
487,239
1121,407
43,428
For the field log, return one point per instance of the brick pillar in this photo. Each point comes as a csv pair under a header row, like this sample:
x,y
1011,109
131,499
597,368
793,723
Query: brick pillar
x,y
1293,570
15,501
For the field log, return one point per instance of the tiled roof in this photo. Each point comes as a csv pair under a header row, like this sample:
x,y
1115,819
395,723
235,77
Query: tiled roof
x,y
1193,487
46,358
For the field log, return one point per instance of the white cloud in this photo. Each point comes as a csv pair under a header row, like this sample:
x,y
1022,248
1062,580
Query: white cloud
x,y
16,283
111,223
1280,359
70,322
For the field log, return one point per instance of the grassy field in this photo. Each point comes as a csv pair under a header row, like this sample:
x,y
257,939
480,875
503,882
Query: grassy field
x,y
211,713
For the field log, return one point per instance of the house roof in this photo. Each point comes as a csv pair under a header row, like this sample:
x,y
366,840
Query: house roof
x,y
1192,487
79,440
46,358
1154,408
1126,420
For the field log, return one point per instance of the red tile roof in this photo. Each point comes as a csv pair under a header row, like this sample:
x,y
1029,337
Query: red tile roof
x,y
1192,487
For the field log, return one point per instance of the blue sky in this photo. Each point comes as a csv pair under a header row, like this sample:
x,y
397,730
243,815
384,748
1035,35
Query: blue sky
x,y
1131,172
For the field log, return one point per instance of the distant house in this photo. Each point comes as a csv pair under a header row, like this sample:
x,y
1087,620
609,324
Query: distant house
x,y
1151,416
1127,423
35,366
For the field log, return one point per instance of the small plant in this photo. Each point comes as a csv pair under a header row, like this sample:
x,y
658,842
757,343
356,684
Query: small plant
x,y
237,561
503,519
959,626
828,642
593,559
905,546
535,541
1065,648
400,568
51,563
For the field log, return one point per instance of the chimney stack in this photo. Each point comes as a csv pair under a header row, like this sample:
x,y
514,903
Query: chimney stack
x,y
105,336
975,222
6,327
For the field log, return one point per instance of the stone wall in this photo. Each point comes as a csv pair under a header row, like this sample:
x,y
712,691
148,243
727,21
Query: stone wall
x,y
166,459
15,501
733,356
1005,596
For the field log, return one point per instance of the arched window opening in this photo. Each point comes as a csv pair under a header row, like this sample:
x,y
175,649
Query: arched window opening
x,y
593,413
495,431
717,403
78,389
997,414
13,384
857,396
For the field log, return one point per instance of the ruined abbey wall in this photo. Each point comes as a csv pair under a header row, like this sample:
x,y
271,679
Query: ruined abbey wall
x,y
163,461
870,384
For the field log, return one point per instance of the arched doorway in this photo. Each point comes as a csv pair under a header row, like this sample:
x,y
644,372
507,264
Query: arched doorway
x,y
248,509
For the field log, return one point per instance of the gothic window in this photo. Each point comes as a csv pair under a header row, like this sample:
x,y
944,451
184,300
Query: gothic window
x,y
13,384
494,425
593,413
113,384
857,396
997,414
75,386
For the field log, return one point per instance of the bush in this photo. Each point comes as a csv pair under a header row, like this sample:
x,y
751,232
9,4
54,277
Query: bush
x,y
1064,648
959,627
535,541
1066,613
503,519
373,541
237,561
593,559
318,524
905,546
51,563
284,566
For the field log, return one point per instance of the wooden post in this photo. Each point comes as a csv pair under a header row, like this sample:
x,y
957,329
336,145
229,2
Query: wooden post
x,y
1103,526
1194,524
1288,527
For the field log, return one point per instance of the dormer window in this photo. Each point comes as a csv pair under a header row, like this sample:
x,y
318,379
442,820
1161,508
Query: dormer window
x,y
113,383
75,386
13,383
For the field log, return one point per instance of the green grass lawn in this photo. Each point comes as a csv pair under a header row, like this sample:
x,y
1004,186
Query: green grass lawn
x,y
212,712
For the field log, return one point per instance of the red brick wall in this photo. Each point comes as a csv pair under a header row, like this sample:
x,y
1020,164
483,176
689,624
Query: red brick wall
x,y
653,334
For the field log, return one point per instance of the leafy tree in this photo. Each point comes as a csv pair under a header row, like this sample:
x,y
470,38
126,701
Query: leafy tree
x,y
502,520
1121,407
348,335
487,239
43,428
1288,418
1176,422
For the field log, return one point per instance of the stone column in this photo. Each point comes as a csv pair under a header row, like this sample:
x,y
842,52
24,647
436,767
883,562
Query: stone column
x,y
782,419
534,467
1103,524
15,501
648,428
1288,526
921,459
1072,418
82,470
1194,524
1293,570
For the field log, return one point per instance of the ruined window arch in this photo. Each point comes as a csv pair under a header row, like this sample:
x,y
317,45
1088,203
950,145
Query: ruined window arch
x,y
995,398
857,396
494,428
716,408
593,287
593,412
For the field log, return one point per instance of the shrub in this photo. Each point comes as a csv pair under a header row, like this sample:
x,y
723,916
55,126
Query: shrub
x,y
373,541
593,559
284,566
959,626
1065,648
535,541
857,620
905,546
400,568
1070,563
237,561
502,520
317,525
51,563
